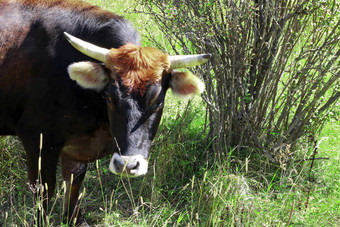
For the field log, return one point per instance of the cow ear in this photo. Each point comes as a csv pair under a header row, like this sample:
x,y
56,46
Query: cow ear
x,y
88,75
186,84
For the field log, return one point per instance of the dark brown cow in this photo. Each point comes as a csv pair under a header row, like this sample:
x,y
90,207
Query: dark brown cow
x,y
85,99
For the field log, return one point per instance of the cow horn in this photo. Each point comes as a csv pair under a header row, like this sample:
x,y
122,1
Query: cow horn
x,y
88,49
185,61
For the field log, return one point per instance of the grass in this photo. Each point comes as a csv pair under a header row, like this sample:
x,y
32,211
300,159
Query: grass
x,y
186,184
327,176
189,189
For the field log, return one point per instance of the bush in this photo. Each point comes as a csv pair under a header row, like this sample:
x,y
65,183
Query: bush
x,y
274,75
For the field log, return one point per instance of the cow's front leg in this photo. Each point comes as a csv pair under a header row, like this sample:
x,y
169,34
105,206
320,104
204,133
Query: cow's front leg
x,y
73,174
42,176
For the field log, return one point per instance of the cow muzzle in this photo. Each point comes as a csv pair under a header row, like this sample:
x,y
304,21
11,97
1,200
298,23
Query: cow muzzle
x,y
128,166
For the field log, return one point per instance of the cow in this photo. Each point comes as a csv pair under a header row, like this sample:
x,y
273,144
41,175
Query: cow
x,y
76,85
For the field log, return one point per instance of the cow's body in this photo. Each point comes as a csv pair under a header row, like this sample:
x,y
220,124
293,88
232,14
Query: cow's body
x,y
34,56
37,96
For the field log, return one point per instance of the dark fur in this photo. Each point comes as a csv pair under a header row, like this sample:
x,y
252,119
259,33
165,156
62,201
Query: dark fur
x,y
38,97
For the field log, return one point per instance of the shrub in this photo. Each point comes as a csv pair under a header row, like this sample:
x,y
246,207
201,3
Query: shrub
x,y
274,75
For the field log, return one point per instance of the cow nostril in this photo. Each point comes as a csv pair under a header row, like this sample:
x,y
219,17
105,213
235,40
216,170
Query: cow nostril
x,y
119,165
116,165
128,166
136,166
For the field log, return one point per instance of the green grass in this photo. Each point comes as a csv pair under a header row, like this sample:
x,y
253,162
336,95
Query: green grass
x,y
326,193
187,185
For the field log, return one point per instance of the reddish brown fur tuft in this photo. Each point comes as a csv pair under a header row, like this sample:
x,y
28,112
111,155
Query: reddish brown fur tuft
x,y
137,66
186,84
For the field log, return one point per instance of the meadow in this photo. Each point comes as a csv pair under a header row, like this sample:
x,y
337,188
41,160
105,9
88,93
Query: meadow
x,y
187,184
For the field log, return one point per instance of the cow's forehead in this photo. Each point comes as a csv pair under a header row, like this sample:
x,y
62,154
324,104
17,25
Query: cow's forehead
x,y
137,66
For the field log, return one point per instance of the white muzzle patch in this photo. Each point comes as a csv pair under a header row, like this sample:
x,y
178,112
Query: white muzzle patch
x,y
128,166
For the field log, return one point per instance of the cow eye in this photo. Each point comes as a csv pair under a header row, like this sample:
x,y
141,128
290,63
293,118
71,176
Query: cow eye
x,y
153,108
158,104
153,95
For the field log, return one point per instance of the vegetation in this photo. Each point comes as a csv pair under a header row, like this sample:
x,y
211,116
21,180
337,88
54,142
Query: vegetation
x,y
199,177
274,62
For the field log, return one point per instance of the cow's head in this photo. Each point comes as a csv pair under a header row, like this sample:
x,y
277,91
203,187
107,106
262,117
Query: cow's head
x,y
134,80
